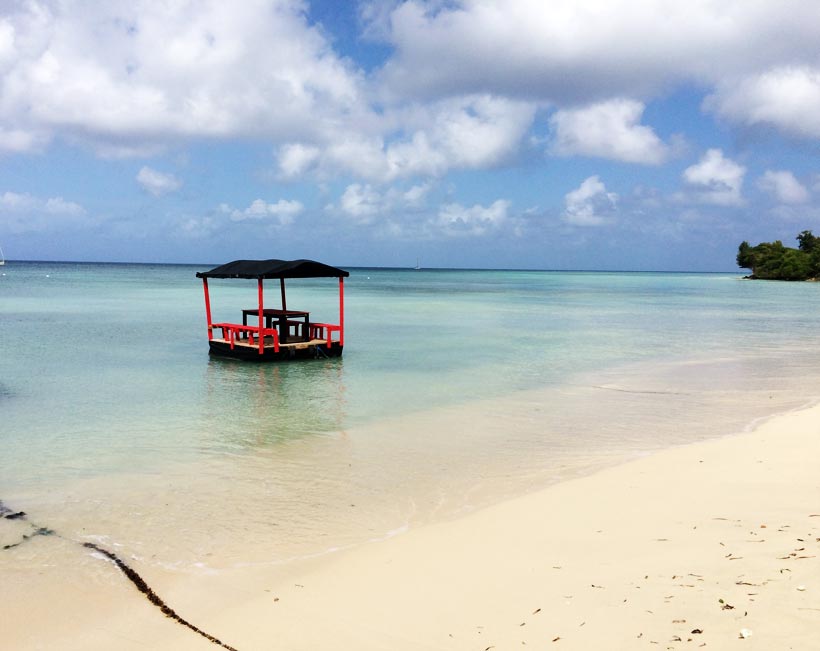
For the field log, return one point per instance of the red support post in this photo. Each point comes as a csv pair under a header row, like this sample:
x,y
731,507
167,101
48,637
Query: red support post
x,y
341,311
261,320
208,308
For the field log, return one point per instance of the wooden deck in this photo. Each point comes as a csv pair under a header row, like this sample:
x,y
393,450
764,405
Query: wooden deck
x,y
268,343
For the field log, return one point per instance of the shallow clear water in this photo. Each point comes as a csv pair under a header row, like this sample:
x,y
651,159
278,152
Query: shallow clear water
x,y
457,388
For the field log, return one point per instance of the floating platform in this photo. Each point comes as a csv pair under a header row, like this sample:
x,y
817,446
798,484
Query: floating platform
x,y
312,349
278,334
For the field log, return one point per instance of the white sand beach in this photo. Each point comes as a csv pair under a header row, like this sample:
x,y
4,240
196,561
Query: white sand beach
x,y
714,544
711,545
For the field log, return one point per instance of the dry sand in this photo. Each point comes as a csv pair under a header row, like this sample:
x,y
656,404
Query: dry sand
x,y
713,545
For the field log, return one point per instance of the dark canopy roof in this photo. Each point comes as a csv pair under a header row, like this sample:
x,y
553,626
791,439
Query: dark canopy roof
x,y
273,269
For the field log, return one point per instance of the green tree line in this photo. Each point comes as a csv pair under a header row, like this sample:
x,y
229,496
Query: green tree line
x,y
773,261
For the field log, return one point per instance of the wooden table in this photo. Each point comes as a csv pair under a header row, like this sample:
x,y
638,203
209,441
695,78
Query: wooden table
x,y
282,316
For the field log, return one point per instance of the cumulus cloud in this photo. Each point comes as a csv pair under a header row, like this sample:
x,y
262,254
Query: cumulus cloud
x,y
134,76
23,212
361,202
144,71
404,212
457,220
570,51
787,98
760,59
296,159
198,228
157,183
12,202
416,195
282,212
715,179
589,204
783,186
471,132
364,204
19,140
609,129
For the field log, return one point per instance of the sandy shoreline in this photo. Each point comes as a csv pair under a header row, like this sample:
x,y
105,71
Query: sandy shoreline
x,y
681,549
695,546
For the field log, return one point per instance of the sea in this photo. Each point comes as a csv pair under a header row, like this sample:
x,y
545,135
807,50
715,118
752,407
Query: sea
x,y
457,389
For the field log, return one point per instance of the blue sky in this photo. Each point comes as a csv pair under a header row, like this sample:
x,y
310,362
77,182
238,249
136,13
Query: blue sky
x,y
571,134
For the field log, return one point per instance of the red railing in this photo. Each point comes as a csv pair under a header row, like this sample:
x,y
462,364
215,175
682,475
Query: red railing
x,y
232,331
325,331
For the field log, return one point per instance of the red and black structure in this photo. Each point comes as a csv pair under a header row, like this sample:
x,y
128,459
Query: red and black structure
x,y
275,334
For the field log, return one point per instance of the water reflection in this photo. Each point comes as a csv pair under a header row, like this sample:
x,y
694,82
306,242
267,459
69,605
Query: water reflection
x,y
252,405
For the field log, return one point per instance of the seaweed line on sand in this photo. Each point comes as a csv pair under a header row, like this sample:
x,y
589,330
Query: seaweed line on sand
x,y
130,573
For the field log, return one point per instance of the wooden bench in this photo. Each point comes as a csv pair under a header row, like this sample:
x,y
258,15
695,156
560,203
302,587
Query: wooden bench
x,y
233,331
324,331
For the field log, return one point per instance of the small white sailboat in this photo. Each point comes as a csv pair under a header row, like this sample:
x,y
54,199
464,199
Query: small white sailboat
x,y
2,258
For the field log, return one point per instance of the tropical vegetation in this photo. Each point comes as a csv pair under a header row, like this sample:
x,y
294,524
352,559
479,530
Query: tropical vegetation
x,y
773,261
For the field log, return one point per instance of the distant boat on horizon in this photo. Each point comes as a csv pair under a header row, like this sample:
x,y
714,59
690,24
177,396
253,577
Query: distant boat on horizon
x,y
2,258
417,267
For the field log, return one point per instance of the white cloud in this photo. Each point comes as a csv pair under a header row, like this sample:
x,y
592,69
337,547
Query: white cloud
x,y
282,212
404,213
760,57
455,219
157,183
365,204
14,202
361,202
609,129
715,179
26,203
464,133
783,186
785,97
296,159
415,196
59,206
589,204
143,71
198,228
23,213
570,51
471,132
19,140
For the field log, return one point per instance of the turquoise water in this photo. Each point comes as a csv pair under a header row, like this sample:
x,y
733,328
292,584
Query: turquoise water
x,y
456,388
